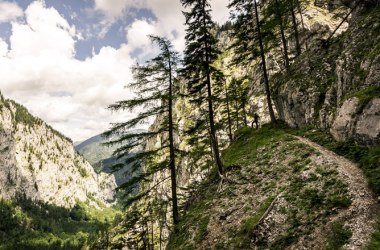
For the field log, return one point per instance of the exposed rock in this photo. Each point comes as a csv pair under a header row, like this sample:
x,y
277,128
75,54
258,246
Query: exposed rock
x,y
323,95
42,164
344,125
368,125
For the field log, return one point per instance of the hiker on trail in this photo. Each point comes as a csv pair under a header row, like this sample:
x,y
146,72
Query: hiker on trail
x,y
255,120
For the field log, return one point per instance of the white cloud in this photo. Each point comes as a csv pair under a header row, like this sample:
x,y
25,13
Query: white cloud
x,y
41,72
114,8
3,48
9,11
46,32
137,37
220,12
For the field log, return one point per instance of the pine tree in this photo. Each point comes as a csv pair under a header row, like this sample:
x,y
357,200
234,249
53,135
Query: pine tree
x,y
246,13
275,18
200,53
154,93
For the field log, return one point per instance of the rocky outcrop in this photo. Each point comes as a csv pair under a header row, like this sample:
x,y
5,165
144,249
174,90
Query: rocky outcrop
x,y
41,164
337,89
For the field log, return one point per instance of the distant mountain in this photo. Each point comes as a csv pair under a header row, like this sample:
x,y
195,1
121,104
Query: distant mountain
x,y
40,163
100,156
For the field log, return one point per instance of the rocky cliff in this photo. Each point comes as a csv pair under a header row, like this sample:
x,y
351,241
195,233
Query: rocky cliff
x,y
39,162
337,88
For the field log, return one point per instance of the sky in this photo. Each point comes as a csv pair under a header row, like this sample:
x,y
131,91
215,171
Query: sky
x,y
68,60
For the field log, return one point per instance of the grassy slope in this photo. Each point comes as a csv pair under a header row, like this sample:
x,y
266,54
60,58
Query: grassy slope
x,y
271,163
368,160
25,224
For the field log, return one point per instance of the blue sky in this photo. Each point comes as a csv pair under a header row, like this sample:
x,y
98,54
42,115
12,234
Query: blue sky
x,y
67,60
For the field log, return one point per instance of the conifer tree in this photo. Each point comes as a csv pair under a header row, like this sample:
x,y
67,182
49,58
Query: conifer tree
x,y
275,17
248,25
264,67
200,53
154,87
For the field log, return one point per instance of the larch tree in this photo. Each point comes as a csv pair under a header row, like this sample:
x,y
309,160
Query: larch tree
x,y
154,88
200,53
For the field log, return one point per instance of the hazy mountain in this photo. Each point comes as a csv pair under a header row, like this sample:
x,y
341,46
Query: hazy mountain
x,y
100,155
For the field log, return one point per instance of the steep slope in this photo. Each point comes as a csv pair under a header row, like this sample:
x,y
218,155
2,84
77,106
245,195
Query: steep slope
x,y
284,192
40,163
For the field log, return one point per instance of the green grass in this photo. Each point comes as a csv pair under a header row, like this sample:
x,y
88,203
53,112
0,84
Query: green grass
x,y
244,149
338,236
271,160
243,236
368,159
365,96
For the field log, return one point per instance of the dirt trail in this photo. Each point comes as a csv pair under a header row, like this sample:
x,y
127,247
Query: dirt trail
x,y
360,217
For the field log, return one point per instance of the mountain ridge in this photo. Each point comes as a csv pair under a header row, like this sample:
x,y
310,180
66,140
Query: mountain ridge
x,y
41,163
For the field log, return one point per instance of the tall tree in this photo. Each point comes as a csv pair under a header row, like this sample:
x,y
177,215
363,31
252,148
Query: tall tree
x,y
153,85
282,31
264,67
200,53
248,25
295,26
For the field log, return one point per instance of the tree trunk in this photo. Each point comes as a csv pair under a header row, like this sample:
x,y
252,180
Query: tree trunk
x,y
303,24
228,113
152,232
214,138
244,113
266,80
171,142
283,39
295,27
237,114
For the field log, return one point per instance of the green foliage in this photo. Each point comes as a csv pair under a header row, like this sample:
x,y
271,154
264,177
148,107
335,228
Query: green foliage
x,y
79,165
242,238
365,96
23,116
374,244
27,224
248,140
367,158
338,236
260,155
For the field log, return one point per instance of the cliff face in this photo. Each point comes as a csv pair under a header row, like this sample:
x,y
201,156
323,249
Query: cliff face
x,y
37,161
338,89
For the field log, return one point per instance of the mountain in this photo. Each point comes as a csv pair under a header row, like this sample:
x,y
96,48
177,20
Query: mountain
x,y
101,157
42,164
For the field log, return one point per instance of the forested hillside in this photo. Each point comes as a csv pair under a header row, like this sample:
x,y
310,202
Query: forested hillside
x,y
50,197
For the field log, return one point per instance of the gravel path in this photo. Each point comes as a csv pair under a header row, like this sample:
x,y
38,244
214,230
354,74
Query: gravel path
x,y
360,217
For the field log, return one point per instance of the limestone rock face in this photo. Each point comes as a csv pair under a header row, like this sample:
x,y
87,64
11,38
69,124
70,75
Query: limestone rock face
x,y
38,162
339,90
344,125
368,124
